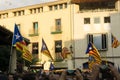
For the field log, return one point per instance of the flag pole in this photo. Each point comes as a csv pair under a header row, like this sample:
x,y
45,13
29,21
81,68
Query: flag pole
x,y
12,62
9,71
113,54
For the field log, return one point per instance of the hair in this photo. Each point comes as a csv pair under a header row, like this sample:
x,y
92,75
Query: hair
x,y
29,76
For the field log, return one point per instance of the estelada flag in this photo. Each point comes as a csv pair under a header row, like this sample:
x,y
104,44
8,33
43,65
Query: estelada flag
x,y
115,42
20,44
94,56
45,50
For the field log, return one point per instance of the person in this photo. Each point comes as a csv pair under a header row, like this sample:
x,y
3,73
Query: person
x,y
111,71
10,76
3,76
53,76
114,71
29,76
77,76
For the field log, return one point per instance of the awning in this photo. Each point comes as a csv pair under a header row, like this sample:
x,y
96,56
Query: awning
x,y
6,37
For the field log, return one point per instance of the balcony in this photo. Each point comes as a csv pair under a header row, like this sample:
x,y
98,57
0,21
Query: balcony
x,y
32,33
56,30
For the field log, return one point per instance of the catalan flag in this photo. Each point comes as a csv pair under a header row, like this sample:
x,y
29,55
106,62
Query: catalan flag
x,y
20,44
115,42
45,50
94,56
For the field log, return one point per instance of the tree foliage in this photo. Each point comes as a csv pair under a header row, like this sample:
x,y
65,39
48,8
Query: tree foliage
x,y
4,57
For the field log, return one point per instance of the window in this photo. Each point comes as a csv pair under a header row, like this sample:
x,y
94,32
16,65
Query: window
x,y
23,12
19,13
86,20
55,7
106,19
61,6
38,10
65,5
35,10
41,9
14,13
96,20
35,48
30,11
58,46
58,24
6,15
35,28
97,5
99,40
58,50
50,8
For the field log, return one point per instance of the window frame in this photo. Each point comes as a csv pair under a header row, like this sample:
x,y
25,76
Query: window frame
x,y
104,40
50,8
35,31
87,20
55,7
58,43
107,19
58,24
60,6
96,20
35,44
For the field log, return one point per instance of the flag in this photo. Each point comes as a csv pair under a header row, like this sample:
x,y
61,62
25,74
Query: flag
x,y
45,50
94,56
27,55
52,66
20,44
18,41
115,42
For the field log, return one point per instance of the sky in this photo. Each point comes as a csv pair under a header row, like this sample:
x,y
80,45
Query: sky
x,y
9,4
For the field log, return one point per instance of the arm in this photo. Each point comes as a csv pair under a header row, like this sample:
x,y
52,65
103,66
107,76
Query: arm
x,y
114,71
94,72
78,75
63,76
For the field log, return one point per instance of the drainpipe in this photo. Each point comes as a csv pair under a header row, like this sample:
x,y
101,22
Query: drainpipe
x,y
72,46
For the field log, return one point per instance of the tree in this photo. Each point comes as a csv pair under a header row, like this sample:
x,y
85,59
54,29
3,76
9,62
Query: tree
x,y
4,57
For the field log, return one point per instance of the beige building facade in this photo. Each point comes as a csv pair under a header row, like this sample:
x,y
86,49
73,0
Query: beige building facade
x,y
70,24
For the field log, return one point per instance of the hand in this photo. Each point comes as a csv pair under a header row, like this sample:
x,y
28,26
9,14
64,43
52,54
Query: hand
x,y
114,71
63,75
53,76
78,75
94,72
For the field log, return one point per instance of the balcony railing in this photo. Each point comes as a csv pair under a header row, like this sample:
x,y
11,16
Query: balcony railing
x,y
96,10
56,30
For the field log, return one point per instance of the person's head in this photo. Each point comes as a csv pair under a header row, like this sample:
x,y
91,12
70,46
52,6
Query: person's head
x,y
29,76
3,77
11,76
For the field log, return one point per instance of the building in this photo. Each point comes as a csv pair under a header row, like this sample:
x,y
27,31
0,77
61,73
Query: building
x,y
67,23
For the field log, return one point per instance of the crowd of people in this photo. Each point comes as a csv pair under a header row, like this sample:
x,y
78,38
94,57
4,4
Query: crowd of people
x,y
96,73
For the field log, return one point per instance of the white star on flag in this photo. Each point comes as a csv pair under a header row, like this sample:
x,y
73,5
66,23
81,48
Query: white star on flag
x,y
17,36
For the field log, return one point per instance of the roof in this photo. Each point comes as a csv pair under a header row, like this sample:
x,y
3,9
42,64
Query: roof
x,y
6,36
82,1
